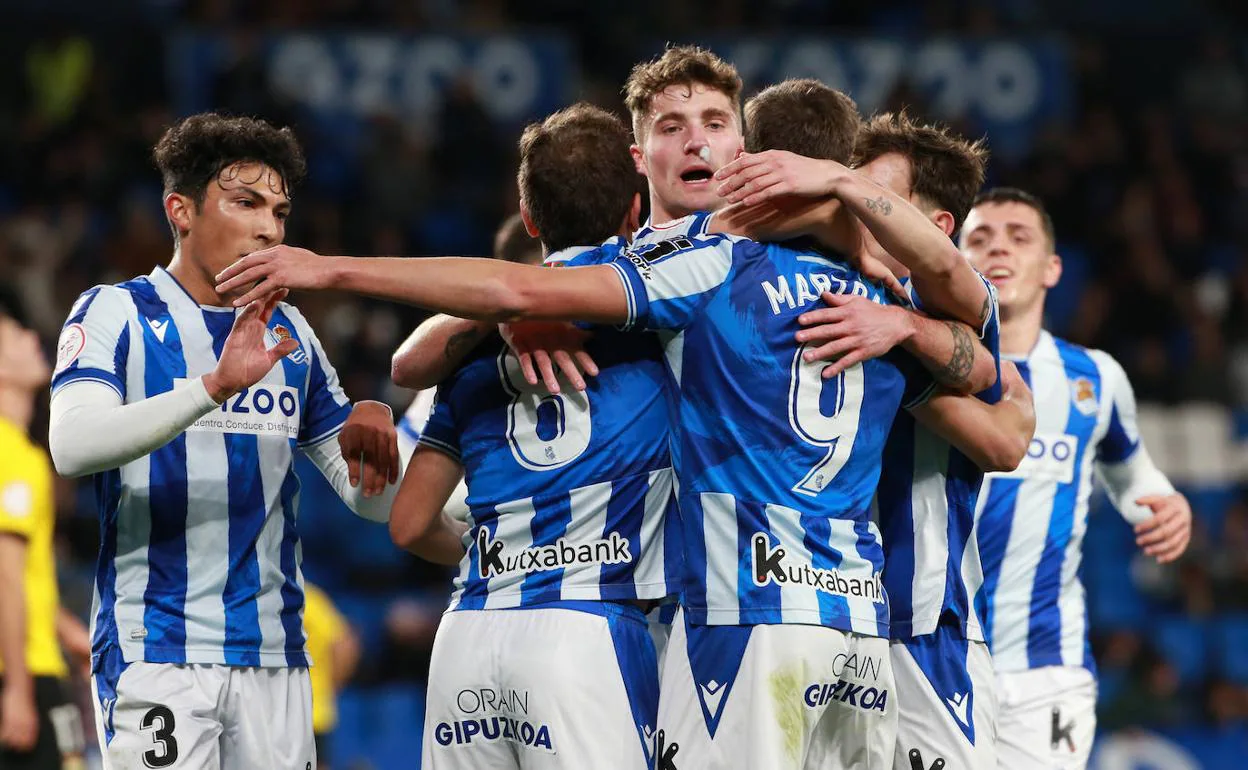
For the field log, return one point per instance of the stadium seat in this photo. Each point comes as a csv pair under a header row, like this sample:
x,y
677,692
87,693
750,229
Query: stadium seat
x,y
1184,643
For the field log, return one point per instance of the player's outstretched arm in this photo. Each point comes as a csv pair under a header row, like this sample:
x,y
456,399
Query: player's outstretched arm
x,y
417,521
946,280
995,437
91,430
483,289
853,329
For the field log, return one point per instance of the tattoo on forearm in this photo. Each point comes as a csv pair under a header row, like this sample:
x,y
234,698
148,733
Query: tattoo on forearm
x,y
986,309
880,205
958,370
460,343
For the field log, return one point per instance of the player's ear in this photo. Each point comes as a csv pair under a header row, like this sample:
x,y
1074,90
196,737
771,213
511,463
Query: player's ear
x,y
529,227
180,211
944,220
639,159
1052,270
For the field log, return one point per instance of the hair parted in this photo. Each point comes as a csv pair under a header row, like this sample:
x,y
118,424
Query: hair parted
x,y
512,243
1015,195
946,169
804,117
195,150
577,178
679,65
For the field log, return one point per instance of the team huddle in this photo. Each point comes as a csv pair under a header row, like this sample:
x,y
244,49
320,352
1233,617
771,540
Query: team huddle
x,y
784,476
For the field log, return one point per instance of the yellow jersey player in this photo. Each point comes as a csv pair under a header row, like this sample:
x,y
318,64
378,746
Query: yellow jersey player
x,y
40,727
334,650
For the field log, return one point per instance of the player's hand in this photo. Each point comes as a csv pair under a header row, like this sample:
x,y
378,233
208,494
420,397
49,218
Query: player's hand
x,y
851,330
19,718
1165,536
277,267
543,345
756,177
245,359
370,445
868,259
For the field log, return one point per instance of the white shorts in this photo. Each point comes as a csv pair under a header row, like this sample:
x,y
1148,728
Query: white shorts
x,y
779,697
946,691
1046,718
542,688
202,717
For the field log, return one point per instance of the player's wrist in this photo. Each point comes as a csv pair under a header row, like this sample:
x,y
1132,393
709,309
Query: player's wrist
x,y
217,390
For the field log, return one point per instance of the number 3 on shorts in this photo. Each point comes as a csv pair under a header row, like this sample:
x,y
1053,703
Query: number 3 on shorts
x,y
160,721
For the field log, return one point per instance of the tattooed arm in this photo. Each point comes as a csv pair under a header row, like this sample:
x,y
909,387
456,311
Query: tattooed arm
x,y
853,329
435,350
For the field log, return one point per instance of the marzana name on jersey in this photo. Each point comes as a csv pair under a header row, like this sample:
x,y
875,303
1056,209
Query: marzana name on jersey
x,y
495,560
517,731
806,288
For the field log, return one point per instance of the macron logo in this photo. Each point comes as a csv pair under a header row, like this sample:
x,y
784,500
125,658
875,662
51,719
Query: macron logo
x,y
712,695
958,704
158,327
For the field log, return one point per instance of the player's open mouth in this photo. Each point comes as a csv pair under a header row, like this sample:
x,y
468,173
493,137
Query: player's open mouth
x,y
999,274
696,176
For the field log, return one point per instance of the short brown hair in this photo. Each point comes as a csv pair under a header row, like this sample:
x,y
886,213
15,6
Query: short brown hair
x,y
577,178
804,117
1015,195
512,243
945,169
679,65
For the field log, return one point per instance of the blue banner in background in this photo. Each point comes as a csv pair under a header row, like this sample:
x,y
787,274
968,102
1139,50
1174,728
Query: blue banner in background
x,y
1008,89
339,80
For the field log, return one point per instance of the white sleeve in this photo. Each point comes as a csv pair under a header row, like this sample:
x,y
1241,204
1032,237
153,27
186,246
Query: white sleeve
x,y
91,430
1128,481
326,455
1122,463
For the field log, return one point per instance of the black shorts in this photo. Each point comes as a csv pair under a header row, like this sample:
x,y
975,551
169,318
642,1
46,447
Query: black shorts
x,y
60,730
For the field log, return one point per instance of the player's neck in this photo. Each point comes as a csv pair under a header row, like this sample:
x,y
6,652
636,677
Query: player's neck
x,y
17,406
661,215
1021,331
197,282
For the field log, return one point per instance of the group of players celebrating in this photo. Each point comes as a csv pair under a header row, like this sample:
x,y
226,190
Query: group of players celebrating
x,y
725,476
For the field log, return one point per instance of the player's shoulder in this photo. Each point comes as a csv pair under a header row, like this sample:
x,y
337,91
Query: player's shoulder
x,y
581,256
1084,360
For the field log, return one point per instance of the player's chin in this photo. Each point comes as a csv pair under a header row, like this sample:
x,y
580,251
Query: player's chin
x,y
700,196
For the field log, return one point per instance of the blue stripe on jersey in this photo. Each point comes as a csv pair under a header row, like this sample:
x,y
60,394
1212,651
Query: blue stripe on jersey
x,y
108,493
994,538
1117,445
319,420
639,668
246,498
291,591
74,370
477,588
962,485
551,517
619,509
1044,637
823,555
895,504
164,600
869,545
763,602
108,668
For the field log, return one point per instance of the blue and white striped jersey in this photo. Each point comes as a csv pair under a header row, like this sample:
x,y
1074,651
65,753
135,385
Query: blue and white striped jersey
x,y
570,496
776,466
199,555
1030,523
926,505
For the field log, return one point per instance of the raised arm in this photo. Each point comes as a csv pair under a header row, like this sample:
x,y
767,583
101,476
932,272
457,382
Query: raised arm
x,y
483,289
946,280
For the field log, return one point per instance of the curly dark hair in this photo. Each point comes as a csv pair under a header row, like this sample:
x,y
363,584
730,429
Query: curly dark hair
x,y
194,151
